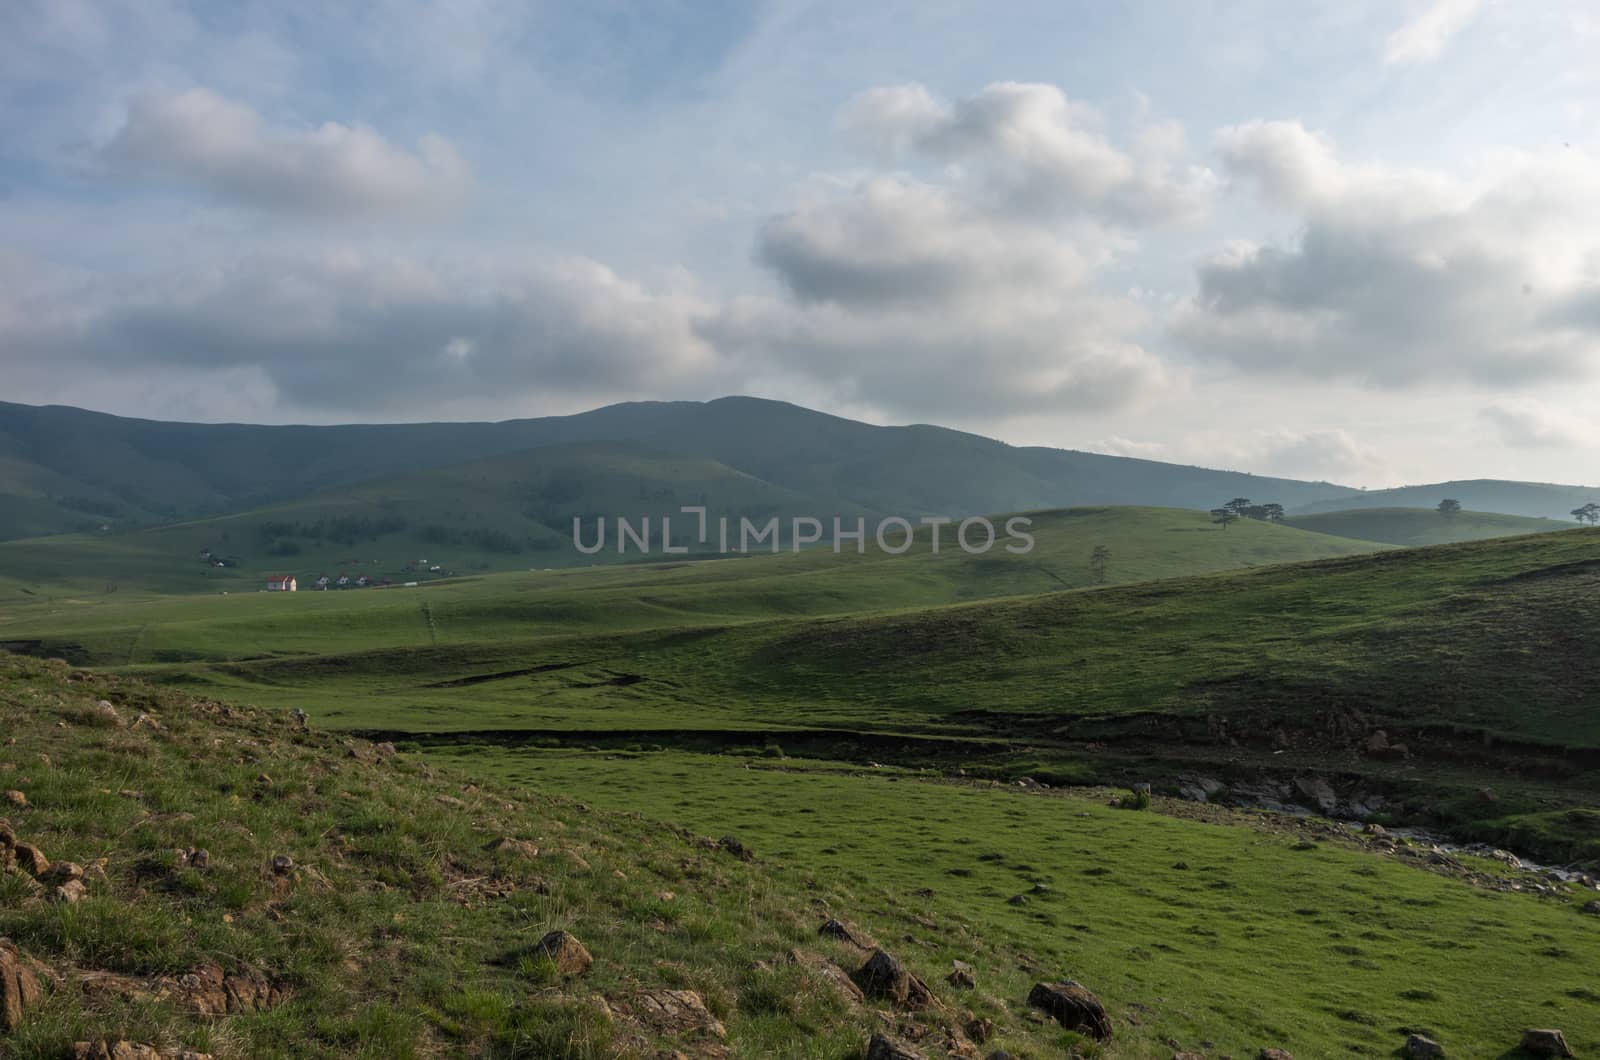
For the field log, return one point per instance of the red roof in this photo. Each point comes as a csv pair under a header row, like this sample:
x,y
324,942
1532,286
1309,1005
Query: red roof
x,y
280,577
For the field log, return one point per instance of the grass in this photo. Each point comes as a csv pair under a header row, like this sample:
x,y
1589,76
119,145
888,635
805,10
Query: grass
x,y
130,627
400,935
1414,527
1476,656
1261,936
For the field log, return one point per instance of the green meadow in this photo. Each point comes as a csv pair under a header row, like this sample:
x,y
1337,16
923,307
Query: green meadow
x,y
861,721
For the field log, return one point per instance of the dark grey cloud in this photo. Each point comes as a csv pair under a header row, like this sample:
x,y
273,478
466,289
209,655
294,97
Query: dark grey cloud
x,y
898,241
357,333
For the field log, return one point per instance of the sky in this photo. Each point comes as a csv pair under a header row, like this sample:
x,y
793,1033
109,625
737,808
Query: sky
x,y
1355,241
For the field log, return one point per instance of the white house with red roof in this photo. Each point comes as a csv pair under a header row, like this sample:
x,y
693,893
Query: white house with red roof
x,y
281,583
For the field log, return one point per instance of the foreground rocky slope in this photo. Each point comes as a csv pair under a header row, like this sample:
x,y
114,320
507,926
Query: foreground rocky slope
x,y
186,878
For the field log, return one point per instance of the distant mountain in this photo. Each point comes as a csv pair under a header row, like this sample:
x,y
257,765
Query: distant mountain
x,y
1414,527
65,469
1539,500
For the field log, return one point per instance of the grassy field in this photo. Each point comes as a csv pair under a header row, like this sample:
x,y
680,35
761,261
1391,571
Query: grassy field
x,y
396,933
1245,933
1481,637
1414,527
505,513
1144,543
858,721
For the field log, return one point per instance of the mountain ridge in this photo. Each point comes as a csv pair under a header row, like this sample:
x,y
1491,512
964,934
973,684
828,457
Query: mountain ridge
x,y
64,469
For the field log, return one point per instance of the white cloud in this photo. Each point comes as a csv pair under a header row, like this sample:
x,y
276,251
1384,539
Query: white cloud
x,y
1425,35
1534,425
1323,454
1401,277
1035,151
227,148
972,292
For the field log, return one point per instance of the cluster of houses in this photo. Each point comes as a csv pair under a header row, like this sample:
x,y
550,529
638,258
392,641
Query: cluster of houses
x,y
288,583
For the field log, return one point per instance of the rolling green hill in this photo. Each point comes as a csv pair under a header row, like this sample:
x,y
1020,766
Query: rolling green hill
x,y
68,470
508,512
1475,656
1536,500
1143,543
1421,526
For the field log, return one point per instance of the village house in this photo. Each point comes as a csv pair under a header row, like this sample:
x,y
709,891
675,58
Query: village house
x,y
281,583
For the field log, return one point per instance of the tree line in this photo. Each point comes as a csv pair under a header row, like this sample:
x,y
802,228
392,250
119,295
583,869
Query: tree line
x,y
1244,508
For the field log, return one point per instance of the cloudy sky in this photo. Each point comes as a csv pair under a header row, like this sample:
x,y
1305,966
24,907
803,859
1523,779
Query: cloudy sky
x,y
1357,240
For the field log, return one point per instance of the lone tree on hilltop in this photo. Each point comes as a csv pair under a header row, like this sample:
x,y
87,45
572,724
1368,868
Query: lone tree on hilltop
x,y
1242,508
1589,513
1449,506
1224,516
1097,563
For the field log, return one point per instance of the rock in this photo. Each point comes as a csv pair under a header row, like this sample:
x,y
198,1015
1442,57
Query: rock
x,y
300,717
980,1029
566,952
1072,1006
1372,828
1545,1042
282,864
883,1047
574,860
1487,795
1378,743
1017,899
521,848
1142,788
736,848
449,800
1421,1047
121,1049
1318,792
31,859
847,933
19,987
677,1012
8,835
836,978
884,977
209,991
198,858
961,976
69,892
16,798
62,872
1269,1053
